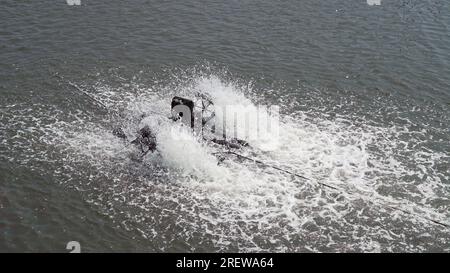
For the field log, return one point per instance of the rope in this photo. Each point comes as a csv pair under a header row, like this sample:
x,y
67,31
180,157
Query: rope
x,y
96,101
280,169
337,189
79,89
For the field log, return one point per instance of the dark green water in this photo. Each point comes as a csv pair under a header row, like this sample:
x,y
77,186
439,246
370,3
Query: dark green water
x,y
364,93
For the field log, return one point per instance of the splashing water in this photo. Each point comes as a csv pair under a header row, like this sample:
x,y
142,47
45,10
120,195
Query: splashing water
x,y
181,198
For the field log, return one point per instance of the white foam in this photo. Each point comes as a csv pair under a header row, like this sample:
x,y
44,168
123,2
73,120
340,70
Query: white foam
x,y
238,204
